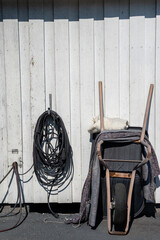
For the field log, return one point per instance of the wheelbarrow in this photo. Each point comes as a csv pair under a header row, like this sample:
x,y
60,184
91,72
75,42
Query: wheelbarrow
x,y
122,160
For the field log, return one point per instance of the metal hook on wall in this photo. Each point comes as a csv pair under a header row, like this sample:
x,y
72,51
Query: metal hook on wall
x,y
50,103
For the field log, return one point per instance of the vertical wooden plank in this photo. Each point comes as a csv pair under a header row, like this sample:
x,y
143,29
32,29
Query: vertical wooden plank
x,y
13,86
124,59
3,119
24,40
157,95
111,101
98,48
49,46
75,97
137,65
87,81
62,74
36,32
149,76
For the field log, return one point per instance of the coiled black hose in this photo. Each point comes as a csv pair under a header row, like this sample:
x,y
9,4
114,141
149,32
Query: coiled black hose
x,y
52,154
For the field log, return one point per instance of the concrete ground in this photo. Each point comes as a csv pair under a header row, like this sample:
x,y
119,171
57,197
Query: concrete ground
x,y
43,226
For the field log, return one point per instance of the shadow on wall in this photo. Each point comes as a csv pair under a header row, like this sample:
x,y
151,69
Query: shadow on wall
x,y
23,10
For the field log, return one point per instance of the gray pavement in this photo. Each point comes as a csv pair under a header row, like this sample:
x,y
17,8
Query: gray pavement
x,y
43,226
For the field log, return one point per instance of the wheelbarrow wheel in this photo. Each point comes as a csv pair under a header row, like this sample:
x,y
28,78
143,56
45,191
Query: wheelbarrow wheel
x,y
120,210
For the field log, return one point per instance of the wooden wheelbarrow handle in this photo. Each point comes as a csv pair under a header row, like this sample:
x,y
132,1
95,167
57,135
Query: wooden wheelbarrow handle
x,y
147,112
101,106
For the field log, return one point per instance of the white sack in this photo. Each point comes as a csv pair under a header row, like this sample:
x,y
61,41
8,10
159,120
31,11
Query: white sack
x,y
109,124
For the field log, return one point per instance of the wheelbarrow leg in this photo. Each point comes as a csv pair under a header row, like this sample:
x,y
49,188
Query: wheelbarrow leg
x,y
109,204
108,200
130,199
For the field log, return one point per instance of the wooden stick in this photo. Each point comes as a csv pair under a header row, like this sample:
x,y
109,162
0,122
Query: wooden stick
x,y
147,112
101,107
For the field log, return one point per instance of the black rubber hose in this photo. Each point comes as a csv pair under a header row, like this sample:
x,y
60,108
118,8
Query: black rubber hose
x,y
52,154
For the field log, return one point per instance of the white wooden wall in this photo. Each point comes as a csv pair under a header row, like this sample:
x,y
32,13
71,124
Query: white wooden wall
x,y
64,48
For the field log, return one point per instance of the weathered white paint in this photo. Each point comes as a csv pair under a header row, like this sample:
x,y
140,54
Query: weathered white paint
x,y
3,117
49,47
150,34
36,42
13,92
99,53
65,48
112,103
137,63
62,69
49,61
26,96
124,66
75,98
86,29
